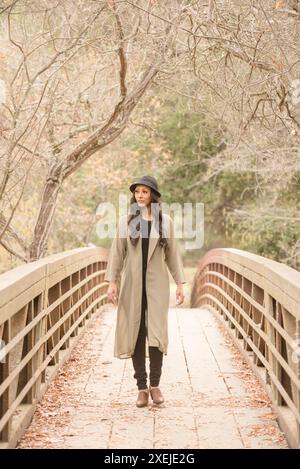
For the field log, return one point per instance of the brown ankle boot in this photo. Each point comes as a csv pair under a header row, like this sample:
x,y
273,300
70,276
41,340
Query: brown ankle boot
x,y
143,397
156,395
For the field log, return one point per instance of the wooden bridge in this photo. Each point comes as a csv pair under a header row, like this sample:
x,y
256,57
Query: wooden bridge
x,y
58,373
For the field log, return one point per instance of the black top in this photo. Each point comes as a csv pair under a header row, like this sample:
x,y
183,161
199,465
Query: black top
x,y
145,234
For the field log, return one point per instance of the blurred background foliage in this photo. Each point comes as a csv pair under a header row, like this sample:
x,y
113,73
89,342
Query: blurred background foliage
x,y
174,142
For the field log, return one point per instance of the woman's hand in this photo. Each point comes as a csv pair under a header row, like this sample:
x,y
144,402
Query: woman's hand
x,y
112,292
179,294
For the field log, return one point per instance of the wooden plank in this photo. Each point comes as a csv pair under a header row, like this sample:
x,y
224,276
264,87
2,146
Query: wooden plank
x,y
197,382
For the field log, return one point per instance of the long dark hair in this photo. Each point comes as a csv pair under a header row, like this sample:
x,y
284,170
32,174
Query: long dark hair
x,y
135,212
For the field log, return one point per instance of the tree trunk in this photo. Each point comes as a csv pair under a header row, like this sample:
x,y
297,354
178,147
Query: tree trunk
x,y
45,217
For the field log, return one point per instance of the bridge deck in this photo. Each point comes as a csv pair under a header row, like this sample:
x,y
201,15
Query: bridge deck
x,y
212,398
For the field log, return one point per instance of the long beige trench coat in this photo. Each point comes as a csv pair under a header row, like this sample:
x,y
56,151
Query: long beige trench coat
x,y
125,260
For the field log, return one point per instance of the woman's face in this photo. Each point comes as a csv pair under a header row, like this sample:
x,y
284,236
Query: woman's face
x,y
142,195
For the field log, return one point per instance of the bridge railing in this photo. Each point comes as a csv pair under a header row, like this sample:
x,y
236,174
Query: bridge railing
x,y
259,302
43,308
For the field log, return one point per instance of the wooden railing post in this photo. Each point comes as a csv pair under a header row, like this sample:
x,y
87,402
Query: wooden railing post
x,y
5,398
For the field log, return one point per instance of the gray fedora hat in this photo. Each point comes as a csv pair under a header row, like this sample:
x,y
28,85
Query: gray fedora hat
x,y
148,181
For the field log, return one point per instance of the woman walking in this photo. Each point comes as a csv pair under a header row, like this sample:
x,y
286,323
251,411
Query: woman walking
x,y
143,248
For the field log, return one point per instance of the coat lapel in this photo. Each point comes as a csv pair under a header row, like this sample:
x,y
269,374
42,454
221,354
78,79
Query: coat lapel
x,y
154,237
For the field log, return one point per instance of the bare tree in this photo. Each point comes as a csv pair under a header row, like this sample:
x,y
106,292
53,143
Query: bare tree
x,y
75,72
79,75
246,59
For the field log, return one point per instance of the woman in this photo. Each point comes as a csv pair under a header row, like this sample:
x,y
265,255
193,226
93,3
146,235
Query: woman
x,y
143,248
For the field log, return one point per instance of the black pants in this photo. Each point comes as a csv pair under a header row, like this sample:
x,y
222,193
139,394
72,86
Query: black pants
x,y
139,358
